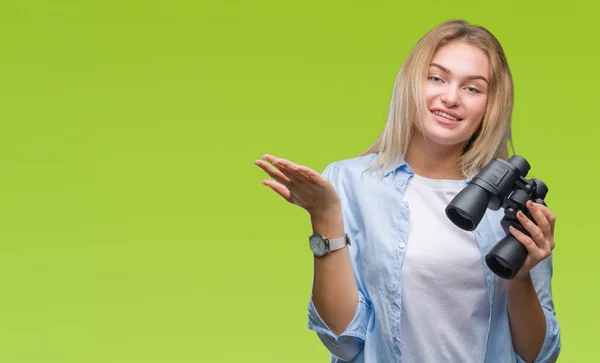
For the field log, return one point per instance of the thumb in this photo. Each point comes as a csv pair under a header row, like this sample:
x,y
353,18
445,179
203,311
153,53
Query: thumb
x,y
279,189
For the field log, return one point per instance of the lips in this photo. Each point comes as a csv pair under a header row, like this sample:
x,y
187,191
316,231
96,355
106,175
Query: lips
x,y
446,114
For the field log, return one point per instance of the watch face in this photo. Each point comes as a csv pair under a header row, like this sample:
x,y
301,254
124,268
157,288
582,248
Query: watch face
x,y
317,245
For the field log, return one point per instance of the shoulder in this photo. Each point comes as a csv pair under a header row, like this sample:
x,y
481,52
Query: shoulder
x,y
350,167
353,179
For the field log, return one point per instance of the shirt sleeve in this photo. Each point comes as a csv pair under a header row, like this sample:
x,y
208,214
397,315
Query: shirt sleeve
x,y
541,275
350,342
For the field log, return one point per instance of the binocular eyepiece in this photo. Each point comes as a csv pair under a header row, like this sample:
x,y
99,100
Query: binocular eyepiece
x,y
499,184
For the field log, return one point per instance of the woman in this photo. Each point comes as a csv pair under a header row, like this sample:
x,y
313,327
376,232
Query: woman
x,y
400,282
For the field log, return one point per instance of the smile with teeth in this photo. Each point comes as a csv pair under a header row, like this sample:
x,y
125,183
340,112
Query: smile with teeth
x,y
445,115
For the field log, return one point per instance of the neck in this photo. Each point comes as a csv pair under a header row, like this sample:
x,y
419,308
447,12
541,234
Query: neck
x,y
432,160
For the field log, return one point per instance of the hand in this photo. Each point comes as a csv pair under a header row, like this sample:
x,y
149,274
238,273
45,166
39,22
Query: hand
x,y
300,185
541,243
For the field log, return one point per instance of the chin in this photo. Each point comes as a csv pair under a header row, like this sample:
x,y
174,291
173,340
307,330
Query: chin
x,y
444,137
444,142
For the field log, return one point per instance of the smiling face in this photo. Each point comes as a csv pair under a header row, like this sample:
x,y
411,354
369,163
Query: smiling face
x,y
456,93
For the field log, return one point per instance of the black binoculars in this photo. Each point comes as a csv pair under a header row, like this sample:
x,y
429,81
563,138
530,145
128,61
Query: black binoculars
x,y
499,184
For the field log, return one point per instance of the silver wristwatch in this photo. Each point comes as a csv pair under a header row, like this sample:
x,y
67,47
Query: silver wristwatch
x,y
320,246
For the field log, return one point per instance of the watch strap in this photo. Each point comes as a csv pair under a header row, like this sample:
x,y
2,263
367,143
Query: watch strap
x,y
339,243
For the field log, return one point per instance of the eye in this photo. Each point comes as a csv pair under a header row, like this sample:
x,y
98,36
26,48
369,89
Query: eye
x,y
435,79
473,90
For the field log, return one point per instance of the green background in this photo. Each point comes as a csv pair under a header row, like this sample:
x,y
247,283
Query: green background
x,y
133,225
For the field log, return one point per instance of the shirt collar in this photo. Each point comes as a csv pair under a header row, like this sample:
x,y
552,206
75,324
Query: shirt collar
x,y
401,165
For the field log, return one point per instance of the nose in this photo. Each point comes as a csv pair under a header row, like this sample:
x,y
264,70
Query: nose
x,y
450,97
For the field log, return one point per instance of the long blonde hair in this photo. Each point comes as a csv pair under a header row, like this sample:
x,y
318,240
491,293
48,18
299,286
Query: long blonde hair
x,y
408,100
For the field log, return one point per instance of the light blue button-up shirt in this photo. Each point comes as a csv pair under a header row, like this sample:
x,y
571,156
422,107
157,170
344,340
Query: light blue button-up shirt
x,y
377,221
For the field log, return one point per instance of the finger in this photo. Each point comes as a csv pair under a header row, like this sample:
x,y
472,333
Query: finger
x,y
551,220
273,172
549,215
300,170
312,175
295,172
532,248
268,157
278,163
540,218
279,189
536,233
289,169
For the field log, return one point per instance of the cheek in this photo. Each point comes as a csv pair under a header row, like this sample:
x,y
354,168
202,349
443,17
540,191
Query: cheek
x,y
430,94
478,108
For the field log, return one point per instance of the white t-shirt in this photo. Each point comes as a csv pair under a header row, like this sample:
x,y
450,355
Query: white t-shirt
x,y
445,306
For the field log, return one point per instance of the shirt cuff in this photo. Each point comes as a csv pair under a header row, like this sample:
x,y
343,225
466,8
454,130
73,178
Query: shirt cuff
x,y
551,346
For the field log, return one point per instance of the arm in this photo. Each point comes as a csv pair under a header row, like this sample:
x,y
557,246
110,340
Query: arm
x,y
338,311
334,293
544,344
534,327
526,317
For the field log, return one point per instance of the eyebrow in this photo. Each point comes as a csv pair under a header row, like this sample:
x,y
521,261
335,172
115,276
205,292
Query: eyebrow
x,y
449,72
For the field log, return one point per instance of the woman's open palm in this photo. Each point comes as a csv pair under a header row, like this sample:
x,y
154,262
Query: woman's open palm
x,y
299,184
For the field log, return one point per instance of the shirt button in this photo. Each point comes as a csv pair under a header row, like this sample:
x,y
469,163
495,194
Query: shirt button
x,y
401,182
402,244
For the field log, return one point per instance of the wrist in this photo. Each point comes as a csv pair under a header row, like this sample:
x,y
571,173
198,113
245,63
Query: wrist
x,y
328,222
518,282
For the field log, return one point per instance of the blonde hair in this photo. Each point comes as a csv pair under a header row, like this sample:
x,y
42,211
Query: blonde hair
x,y
489,141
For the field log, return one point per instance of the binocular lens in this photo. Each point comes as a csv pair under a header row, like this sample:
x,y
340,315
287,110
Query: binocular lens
x,y
499,266
468,207
460,218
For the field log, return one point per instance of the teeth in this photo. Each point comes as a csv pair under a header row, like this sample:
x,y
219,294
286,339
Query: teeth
x,y
445,115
